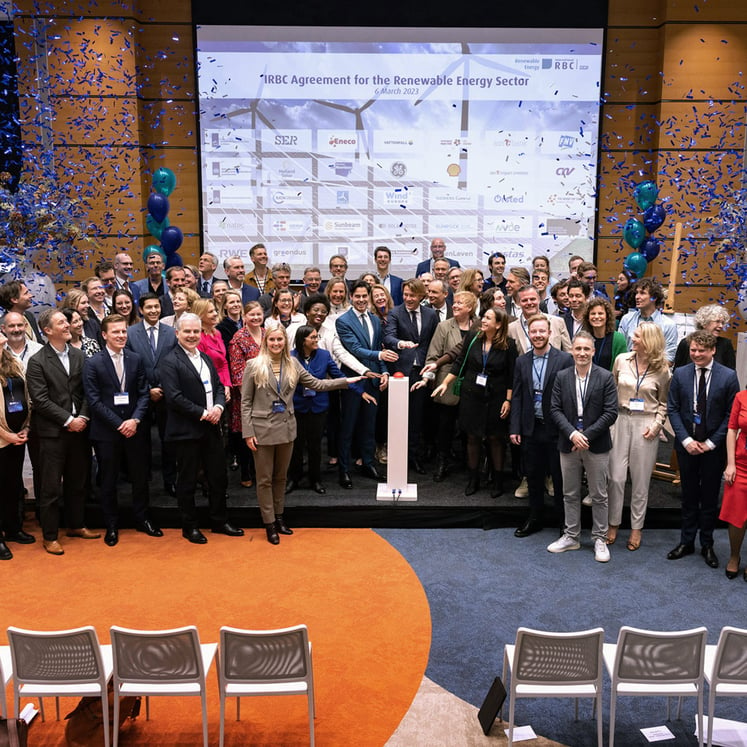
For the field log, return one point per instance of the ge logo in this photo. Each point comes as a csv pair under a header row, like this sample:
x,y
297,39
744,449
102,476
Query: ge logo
x,y
398,169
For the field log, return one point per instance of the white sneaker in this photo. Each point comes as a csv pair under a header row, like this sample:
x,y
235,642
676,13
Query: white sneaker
x,y
587,501
523,490
564,543
601,551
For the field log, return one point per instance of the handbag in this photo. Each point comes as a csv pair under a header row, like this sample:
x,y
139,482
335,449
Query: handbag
x,y
13,732
456,387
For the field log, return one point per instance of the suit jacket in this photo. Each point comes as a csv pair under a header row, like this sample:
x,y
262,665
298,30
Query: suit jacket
x,y
722,390
54,394
449,313
395,289
249,293
600,408
355,340
257,418
100,383
522,405
399,327
138,342
167,305
425,266
143,287
185,396
559,337
133,287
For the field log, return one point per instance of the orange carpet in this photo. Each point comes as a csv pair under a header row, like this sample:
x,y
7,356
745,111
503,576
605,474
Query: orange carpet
x,y
366,611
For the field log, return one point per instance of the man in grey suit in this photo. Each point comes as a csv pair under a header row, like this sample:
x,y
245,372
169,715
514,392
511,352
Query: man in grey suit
x,y
60,419
584,407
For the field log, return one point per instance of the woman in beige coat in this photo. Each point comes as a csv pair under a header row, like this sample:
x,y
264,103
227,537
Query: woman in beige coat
x,y
268,423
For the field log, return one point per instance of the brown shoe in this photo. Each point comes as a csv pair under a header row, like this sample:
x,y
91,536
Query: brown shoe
x,y
53,547
83,533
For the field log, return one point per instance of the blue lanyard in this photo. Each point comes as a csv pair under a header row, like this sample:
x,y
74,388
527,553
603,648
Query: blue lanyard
x,y
598,353
280,377
485,357
539,376
638,378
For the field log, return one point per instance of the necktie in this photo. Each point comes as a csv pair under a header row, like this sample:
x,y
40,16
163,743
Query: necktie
x,y
118,368
414,317
205,286
365,328
152,339
699,431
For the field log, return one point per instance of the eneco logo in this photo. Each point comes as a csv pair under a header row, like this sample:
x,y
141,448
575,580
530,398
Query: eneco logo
x,y
334,142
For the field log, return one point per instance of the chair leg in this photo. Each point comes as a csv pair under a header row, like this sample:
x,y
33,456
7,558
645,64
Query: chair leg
x,y
203,697
311,716
701,736
711,715
238,708
511,720
600,738
105,714
679,708
575,702
222,717
115,718
57,707
147,708
612,716
41,709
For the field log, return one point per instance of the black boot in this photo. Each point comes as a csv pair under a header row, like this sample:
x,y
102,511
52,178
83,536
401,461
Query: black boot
x,y
497,487
272,535
440,472
473,483
280,525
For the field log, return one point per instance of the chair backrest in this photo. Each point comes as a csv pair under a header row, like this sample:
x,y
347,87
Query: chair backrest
x,y
46,657
142,656
730,663
663,657
256,656
544,658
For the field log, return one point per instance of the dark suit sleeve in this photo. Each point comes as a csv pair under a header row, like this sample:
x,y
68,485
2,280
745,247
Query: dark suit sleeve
x,y
39,392
674,405
93,372
143,392
556,409
352,344
517,405
172,390
392,334
609,407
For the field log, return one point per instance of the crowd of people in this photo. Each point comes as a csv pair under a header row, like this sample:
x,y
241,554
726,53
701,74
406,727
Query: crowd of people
x,y
250,373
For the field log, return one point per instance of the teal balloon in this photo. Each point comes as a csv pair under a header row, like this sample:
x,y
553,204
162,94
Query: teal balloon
x,y
636,262
645,194
156,229
650,249
153,249
634,232
164,181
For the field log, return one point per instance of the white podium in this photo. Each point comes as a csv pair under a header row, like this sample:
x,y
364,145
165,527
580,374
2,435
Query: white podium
x,y
396,488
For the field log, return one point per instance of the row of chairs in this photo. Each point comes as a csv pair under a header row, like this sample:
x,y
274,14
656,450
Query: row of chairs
x,y
156,662
642,662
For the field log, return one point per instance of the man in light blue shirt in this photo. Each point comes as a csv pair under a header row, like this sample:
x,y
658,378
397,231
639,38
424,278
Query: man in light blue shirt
x,y
648,297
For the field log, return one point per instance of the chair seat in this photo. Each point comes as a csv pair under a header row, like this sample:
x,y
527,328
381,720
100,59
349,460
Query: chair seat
x,y
60,691
557,691
235,689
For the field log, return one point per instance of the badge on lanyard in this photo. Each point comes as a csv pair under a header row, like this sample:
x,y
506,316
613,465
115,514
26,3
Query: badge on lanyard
x,y
308,392
121,399
15,406
278,405
580,424
481,379
635,404
537,396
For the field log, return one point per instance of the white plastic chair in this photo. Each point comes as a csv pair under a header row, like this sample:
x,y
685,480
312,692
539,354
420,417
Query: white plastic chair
x,y
725,669
663,663
265,662
160,662
6,674
555,665
60,663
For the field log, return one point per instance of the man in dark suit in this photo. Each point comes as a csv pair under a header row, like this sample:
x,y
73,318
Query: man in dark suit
x,y
176,278
153,281
438,300
123,266
59,418
361,335
438,249
152,341
117,392
409,329
584,407
195,400
383,259
496,266
234,269
700,399
578,296
532,427
207,265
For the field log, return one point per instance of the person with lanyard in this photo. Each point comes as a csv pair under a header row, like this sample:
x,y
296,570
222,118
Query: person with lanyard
x,y
486,368
532,428
528,301
599,319
578,295
699,405
584,408
282,314
261,276
116,387
268,422
18,343
642,378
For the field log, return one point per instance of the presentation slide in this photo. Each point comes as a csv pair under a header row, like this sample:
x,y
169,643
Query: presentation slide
x,y
322,141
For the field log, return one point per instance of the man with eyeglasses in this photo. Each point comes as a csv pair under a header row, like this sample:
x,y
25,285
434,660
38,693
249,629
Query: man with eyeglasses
x,y
587,273
438,249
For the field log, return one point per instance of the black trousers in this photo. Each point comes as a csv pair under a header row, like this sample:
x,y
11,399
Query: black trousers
x,y
701,483
310,430
540,457
11,494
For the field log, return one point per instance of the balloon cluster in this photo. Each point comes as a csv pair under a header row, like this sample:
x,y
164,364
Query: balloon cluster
x,y
157,220
645,248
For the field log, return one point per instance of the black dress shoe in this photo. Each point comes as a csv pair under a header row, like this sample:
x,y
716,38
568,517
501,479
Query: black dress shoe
x,y
530,526
417,467
149,528
272,534
680,551
228,529
5,553
345,481
709,556
194,535
21,537
368,470
280,526
170,488
319,488
290,486
111,537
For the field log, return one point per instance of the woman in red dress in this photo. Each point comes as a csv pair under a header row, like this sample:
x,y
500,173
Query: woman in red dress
x,y
734,505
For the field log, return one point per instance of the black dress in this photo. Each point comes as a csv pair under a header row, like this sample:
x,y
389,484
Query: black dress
x,y
480,406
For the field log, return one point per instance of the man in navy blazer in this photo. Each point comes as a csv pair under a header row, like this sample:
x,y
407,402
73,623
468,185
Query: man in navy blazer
x,y
438,249
584,408
152,341
699,414
409,329
383,259
195,400
361,335
532,426
117,392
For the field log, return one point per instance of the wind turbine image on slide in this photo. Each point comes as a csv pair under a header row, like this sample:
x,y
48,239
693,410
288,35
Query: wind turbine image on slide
x,y
464,62
358,112
253,108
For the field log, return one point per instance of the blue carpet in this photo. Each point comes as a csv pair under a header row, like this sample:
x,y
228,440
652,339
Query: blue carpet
x,y
482,586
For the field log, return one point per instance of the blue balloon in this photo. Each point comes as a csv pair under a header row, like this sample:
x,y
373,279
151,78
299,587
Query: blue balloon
x,y
636,262
164,181
158,206
645,194
650,248
174,260
634,232
171,239
153,249
155,228
654,217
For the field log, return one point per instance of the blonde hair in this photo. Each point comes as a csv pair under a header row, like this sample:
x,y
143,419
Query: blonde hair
x,y
261,366
9,367
654,345
230,292
191,296
73,298
201,307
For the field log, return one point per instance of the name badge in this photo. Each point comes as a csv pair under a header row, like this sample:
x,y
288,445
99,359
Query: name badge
x,y
580,424
635,404
278,405
481,380
537,396
696,418
123,398
15,406
308,392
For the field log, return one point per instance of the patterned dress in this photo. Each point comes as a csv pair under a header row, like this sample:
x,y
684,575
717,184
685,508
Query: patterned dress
x,y
242,348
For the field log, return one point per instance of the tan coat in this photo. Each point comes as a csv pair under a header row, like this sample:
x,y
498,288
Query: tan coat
x,y
559,337
447,337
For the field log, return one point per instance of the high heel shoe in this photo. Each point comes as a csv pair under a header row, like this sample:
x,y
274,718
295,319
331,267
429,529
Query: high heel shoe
x,y
733,574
